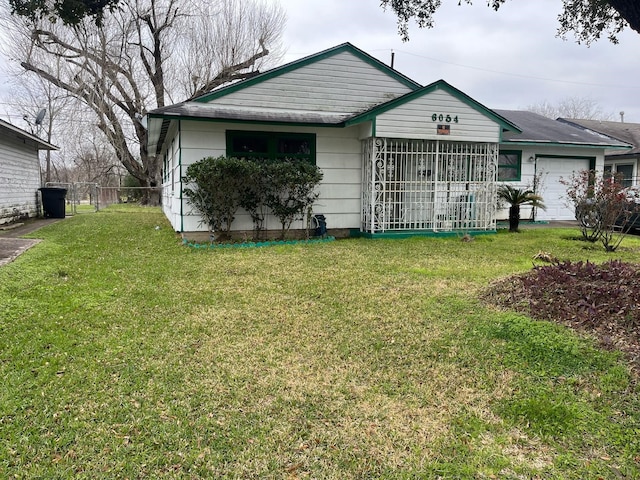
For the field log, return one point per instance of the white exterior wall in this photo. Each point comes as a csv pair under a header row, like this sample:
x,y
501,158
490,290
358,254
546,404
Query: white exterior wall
x,y
342,83
338,154
539,154
19,179
172,172
413,120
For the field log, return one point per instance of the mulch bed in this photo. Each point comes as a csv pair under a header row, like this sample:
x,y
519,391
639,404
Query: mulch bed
x,y
602,300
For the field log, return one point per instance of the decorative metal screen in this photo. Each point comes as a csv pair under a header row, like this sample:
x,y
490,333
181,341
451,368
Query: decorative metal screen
x,y
428,185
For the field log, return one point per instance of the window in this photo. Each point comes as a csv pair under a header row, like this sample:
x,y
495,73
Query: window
x,y
626,174
623,173
509,164
271,145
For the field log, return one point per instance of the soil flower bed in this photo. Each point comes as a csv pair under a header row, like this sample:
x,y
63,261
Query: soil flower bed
x,y
602,300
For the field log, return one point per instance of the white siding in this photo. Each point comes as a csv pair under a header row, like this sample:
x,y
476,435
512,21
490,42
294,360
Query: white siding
x,y
342,83
536,160
19,179
413,120
338,154
170,158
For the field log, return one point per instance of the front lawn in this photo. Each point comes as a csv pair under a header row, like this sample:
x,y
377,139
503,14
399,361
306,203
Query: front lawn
x,y
124,354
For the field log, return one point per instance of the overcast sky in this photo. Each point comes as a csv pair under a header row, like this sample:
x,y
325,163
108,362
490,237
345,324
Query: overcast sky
x,y
508,59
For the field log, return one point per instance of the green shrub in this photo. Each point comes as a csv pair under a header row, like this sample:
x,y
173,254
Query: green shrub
x,y
219,186
254,193
291,190
216,190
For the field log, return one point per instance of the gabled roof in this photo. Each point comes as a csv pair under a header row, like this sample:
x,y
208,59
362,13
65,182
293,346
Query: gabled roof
x,y
537,129
438,85
276,72
24,135
625,132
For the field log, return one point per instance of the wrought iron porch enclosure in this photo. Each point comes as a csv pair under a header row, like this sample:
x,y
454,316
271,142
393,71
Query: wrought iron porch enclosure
x,y
428,185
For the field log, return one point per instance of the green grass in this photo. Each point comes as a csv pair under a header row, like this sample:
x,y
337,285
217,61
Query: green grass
x,y
124,354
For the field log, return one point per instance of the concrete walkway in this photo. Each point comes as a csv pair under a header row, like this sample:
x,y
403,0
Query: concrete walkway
x,y
12,246
549,224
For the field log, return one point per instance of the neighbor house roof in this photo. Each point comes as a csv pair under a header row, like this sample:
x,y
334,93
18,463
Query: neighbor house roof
x,y
23,135
626,132
537,129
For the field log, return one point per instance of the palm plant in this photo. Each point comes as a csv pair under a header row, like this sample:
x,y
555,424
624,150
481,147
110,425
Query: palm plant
x,y
516,197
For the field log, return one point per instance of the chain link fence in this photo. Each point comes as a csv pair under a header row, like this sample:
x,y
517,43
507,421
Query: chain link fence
x,y
85,197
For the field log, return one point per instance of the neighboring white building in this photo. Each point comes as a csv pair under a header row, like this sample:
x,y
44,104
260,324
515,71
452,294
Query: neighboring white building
x,y
19,172
397,157
624,162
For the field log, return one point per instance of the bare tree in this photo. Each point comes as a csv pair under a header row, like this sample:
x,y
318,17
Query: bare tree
x,y
571,107
41,105
142,55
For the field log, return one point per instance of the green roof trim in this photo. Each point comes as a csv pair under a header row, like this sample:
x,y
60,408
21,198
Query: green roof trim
x,y
437,85
249,122
276,72
404,234
542,143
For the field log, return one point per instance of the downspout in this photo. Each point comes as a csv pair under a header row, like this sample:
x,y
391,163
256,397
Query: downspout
x,y
535,185
436,173
372,201
372,166
180,185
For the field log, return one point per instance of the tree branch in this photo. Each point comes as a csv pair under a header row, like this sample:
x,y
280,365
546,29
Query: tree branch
x,y
231,73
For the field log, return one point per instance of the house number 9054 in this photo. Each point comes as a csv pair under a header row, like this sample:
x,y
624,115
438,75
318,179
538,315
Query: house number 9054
x,y
440,117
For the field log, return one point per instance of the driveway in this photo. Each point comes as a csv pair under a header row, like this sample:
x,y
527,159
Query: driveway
x,y
11,245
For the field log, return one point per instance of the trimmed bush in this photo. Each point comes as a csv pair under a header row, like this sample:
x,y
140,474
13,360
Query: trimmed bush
x,y
219,186
216,190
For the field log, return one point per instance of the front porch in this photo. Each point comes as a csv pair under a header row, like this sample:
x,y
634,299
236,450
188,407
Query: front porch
x,y
428,186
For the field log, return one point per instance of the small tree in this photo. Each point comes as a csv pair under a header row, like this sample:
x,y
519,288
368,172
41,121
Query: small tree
x,y
603,206
216,190
291,191
515,198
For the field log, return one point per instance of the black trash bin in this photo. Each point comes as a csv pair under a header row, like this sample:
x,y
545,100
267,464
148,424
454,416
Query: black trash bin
x,y
53,199
320,222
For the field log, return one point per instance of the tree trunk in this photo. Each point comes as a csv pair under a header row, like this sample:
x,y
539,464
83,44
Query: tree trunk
x,y
514,218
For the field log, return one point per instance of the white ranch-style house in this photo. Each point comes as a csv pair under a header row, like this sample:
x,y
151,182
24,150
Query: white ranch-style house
x,y
397,157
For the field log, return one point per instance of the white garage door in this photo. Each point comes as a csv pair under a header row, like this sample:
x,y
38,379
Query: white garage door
x,y
553,192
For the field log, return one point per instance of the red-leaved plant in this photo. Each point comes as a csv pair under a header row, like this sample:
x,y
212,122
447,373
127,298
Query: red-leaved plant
x,y
603,206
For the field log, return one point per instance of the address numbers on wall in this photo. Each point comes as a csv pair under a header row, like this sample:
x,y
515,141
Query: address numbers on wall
x,y
442,117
